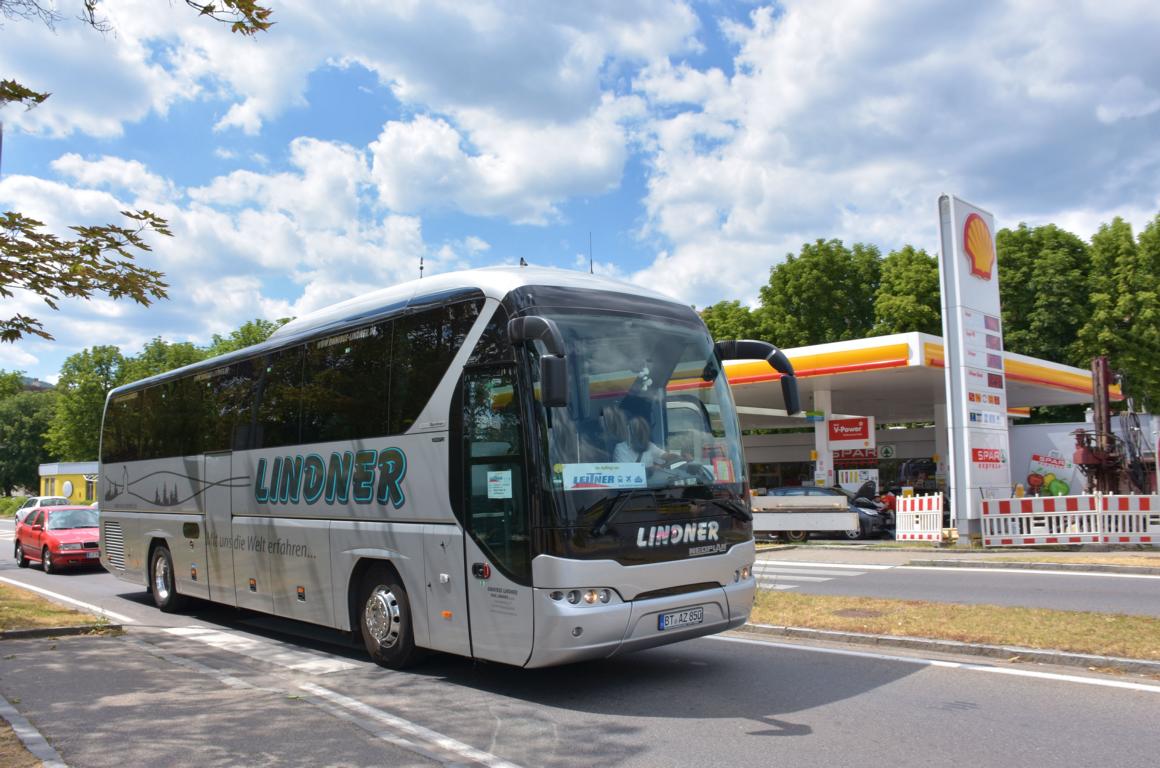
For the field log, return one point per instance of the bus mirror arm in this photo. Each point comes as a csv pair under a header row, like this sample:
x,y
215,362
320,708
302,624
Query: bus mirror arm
x,y
554,365
752,349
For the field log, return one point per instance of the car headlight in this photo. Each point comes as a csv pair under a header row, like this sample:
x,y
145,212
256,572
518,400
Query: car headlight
x,y
73,545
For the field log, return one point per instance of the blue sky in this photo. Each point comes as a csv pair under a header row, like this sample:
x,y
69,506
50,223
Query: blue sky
x,y
698,143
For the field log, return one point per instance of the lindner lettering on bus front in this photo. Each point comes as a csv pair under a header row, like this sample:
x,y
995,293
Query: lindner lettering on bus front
x,y
349,474
664,535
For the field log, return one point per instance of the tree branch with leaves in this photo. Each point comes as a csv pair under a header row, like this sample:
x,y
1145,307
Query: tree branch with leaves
x,y
99,259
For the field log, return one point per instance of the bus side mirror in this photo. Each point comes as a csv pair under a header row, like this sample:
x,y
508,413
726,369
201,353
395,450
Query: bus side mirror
x,y
554,381
554,365
751,349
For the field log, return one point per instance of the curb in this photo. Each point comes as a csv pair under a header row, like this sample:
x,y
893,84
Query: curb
x,y
1139,570
82,629
1009,653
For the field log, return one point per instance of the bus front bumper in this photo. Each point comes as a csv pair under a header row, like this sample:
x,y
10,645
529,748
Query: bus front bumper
x,y
566,633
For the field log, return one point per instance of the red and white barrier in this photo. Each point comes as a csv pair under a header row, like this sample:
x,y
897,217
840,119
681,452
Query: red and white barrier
x,y
918,518
1131,519
1041,520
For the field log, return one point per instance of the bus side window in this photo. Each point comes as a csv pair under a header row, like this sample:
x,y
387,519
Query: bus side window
x,y
424,345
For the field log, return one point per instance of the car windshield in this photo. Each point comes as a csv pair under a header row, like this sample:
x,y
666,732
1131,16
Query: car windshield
x,y
53,502
650,410
72,518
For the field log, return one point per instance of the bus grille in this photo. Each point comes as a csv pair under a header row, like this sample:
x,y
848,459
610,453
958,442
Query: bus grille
x,y
114,545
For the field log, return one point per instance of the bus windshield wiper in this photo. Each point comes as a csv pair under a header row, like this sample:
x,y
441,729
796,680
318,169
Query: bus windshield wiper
x,y
734,508
611,510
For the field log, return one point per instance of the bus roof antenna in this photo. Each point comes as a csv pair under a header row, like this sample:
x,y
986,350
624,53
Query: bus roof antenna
x,y
420,267
590,252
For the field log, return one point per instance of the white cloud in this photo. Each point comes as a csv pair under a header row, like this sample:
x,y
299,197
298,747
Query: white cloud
x,y
847,119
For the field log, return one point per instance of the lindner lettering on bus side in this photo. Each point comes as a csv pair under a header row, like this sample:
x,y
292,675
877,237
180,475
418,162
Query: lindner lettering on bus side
x,y
349,475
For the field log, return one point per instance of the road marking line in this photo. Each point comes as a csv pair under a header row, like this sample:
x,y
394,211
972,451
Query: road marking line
x,y
763,585
845,566
761,571
66,599
922,662
791,577
1017,571
415,730
271,651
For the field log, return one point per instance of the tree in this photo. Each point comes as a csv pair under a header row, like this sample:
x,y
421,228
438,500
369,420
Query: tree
x,y
85,380
1044,286
100,258
251,332
159,356
730,320
11,383
824,294
908,297
1125,299
24,418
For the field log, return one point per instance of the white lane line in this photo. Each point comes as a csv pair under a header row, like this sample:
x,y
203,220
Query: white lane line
x,y
843,566
764,585
793,577
919,661
269,651
434,738
1028,571
66,599
761,571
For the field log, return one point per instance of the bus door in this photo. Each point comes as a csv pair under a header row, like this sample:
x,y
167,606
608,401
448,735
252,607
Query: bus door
x,y
219,535
497,544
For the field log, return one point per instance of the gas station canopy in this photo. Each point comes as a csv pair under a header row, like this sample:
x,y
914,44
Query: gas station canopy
x,y
895,378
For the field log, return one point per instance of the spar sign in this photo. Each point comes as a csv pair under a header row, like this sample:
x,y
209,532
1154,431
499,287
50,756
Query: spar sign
x,y
976,383
851,433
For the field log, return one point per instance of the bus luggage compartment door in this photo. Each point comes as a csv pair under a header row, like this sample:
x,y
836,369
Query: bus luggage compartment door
x,y
219,567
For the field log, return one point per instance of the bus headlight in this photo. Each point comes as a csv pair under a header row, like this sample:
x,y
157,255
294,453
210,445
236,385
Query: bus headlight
x,y
587,595
745,571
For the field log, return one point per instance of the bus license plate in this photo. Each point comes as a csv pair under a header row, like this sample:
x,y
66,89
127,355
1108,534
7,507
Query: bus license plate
x,y
92,555
676,619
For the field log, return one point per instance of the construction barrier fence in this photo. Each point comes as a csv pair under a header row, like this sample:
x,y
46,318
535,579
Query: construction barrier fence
x,y
918,518
1043,520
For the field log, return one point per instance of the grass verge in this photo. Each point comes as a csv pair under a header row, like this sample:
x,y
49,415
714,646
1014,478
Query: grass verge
x,y
21,609
12,751
1105,634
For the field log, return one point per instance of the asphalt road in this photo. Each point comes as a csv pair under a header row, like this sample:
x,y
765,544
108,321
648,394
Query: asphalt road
x,y
221,687
1103,592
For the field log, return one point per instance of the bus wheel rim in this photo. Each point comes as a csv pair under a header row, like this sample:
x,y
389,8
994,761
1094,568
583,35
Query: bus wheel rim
x,y
161,579
383,617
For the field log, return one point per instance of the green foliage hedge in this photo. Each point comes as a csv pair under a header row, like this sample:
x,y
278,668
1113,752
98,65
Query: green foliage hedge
x,y
9,504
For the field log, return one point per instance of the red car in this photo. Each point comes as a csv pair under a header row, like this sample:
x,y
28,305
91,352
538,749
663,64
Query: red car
x,y
57,537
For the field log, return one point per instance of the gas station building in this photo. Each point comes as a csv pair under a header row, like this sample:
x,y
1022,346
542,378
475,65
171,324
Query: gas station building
x,y
898,383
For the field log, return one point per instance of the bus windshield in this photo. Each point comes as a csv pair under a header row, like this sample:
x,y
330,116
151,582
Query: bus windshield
x,y
650,410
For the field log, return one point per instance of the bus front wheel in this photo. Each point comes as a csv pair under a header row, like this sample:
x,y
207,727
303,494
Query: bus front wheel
x,y
385,619
162,582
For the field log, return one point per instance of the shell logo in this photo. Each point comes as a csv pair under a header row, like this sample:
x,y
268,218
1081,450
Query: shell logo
x,y
979,247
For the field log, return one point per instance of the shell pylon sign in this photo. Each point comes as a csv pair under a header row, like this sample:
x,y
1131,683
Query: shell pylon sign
x,y
976,391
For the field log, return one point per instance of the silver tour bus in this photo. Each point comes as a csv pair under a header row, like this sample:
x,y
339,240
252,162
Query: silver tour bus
x,y
529,466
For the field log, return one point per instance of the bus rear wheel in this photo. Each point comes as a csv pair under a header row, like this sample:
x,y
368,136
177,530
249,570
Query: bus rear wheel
x,y
385,619
162,581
